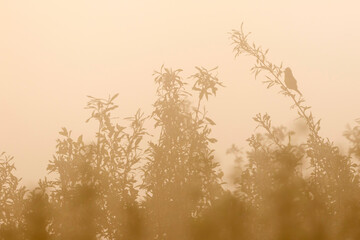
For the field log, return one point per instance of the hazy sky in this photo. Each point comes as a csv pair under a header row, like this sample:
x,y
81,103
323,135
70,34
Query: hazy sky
x,y
54,53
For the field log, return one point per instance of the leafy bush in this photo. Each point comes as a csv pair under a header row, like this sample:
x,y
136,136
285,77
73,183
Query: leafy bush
x,y
170,188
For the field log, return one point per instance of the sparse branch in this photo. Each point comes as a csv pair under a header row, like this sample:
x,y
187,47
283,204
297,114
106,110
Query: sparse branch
x,y
242,46
206,83
265,122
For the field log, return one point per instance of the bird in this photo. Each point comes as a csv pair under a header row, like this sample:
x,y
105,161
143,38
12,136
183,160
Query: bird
x,y
290,81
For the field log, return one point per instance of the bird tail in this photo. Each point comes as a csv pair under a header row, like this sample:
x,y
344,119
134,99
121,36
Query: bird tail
x,y
299,92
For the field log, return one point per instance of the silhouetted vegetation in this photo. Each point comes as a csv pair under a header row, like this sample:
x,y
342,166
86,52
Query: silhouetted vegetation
x,y
129,184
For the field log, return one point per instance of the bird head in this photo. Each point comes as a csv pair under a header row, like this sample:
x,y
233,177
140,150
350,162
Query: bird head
x,y
287,71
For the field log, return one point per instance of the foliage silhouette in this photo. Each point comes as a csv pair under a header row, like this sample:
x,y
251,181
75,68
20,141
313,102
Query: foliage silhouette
x,y
12,200
170,188
333,182
181,178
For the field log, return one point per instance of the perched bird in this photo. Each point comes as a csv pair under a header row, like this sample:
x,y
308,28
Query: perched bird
x,y
290,81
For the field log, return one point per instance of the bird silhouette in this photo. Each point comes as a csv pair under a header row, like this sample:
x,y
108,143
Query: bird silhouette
x,y
290,81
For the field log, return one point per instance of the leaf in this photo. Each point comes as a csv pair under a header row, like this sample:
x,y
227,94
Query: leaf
x,y
120,128
115,96
201,94
212,140
257,72
210,121
111,108
80,139
138,141
64,132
